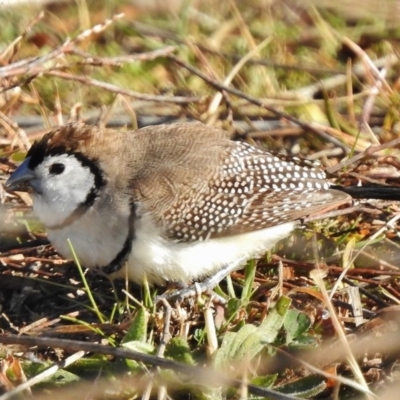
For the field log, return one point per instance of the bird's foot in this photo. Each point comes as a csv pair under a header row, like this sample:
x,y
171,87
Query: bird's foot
x,y
191,291
198,288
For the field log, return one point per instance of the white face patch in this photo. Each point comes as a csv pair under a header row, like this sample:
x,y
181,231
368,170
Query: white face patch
x,y
64,184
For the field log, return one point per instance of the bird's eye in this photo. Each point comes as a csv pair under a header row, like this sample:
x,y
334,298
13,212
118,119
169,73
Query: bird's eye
x,y
56,168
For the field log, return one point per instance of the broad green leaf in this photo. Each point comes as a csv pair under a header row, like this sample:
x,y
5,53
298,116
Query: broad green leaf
x,y
296,323
222,354
271,326
250,339
240,337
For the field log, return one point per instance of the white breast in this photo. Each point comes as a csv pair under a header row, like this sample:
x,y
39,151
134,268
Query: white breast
x,y
96,239
160,260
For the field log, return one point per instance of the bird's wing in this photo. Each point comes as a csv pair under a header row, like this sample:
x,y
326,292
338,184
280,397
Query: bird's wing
x,y
252,190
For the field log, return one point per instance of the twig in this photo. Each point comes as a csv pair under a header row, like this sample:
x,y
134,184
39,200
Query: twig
x,y
356,272
117,89
374,90
337,80
166,337
13,44
212,116
42,376
89,59
367,152
207,376
366,60
11,127
209,323
29,64
336,213
367,109
259,103
362,387
215,102
317,276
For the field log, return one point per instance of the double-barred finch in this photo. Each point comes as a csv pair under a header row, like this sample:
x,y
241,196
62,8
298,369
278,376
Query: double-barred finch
x,y
169,203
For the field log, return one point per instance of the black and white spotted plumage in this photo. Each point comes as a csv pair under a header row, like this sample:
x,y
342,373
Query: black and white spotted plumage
x,y
253,190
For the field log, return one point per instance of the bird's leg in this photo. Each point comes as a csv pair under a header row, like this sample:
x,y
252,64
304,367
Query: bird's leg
x,y
205,286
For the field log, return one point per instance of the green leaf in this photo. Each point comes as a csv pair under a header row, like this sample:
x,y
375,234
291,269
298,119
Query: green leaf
x,y
250,273
233,306
178,349
222,354
138,328
59,378
307,387
135,338
245,344
264,381
271,326
282,305
250,339
139,346
90,367
296,323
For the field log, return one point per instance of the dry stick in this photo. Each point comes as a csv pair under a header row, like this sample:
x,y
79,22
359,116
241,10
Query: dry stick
x,y
317,276
366,178
336,213
367,109
13,127
355,271
336,378
43,375
373,92
215,102
365,58
117,61
95,61
350,92
166,337
211,71
266,78
370,150
26,65
259,103
209,323
162,390
13,44
206,376
347,139
353,274
116,89
367,293
337,80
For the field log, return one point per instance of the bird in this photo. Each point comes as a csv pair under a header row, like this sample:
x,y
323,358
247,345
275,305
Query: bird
x,y
178,203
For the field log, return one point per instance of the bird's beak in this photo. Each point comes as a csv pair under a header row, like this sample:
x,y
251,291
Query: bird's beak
x,y
22,179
